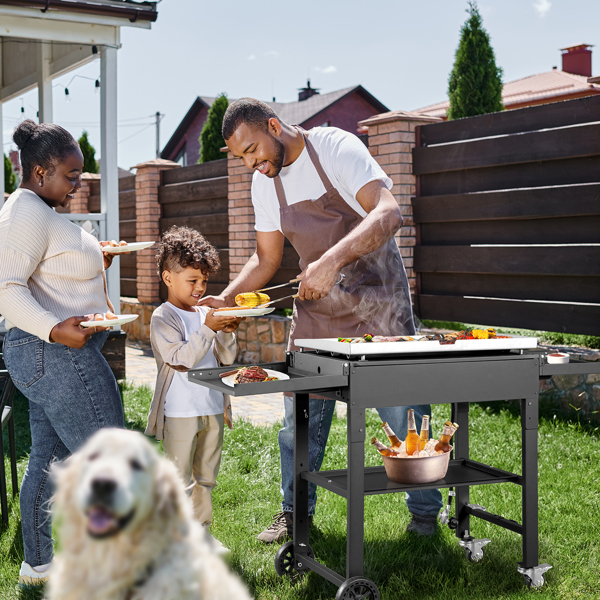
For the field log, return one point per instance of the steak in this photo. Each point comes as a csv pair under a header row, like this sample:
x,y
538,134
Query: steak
x,y
253,374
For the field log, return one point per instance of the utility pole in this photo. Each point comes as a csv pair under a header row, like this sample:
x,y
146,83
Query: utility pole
x,y
158,117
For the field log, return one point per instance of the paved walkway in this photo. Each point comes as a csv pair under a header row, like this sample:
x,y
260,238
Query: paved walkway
x,y
263,409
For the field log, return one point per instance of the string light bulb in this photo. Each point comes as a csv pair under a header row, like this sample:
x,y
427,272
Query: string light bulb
x,y
97,87
67,96
95,52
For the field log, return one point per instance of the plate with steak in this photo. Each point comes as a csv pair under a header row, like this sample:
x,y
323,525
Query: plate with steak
x,y
252,374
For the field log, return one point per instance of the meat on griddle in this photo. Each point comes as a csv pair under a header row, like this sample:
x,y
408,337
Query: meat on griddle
x,y
252,374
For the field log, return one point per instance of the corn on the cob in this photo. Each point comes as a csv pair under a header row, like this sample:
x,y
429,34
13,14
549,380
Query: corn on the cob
x,y
251,299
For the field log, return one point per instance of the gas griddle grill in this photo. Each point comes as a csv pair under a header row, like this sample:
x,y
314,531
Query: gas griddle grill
x,y
373,381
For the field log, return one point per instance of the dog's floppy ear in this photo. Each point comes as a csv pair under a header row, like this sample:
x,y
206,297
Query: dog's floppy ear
x,y
170,501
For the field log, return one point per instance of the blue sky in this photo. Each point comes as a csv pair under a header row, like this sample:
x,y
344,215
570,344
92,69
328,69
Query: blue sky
x,y
402,52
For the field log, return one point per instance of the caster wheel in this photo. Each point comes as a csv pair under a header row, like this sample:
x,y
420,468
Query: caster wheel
x,y
285,565
529,582
285,562
357,588
472,557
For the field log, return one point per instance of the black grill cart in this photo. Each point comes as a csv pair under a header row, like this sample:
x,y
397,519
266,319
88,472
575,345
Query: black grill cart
x,y
467,376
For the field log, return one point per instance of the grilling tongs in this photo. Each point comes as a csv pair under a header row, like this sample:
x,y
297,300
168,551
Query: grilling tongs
x,y
342,277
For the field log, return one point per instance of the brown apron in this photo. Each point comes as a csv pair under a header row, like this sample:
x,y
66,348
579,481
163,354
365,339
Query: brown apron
x,y
373,298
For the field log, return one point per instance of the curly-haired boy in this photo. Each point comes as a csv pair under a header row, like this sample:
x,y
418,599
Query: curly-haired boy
x,y
190,418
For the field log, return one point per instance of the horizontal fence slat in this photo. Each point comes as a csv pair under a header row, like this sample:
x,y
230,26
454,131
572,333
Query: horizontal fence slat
x,y
127,199
195,207
128,287
214,168
524,260
524,287
127,231
568,230
205,224
571,318
556,114
94,203
530,175
195,190
514,149
127,183
566,201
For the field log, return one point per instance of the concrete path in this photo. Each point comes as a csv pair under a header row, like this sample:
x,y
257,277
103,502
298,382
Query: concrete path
x,y
263,409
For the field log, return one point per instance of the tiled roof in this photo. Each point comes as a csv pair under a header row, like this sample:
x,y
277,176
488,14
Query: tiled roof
x,y
535,87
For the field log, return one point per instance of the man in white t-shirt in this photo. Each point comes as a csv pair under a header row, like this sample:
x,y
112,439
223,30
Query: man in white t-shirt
x,y
323,191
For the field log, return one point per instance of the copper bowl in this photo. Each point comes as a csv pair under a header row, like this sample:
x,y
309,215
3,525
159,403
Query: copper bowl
x,y
426,469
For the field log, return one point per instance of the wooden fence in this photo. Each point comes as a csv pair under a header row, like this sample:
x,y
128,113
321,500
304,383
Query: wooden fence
x,y
508,218
196,196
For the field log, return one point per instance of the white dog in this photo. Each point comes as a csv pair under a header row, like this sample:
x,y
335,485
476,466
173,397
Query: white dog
x,y
126,530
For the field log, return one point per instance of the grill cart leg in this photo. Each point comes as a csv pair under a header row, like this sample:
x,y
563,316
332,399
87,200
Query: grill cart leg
x,y
300,546
356,493
529,568
461,450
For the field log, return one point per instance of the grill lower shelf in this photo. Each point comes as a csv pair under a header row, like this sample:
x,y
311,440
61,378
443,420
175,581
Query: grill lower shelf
x,y
460,473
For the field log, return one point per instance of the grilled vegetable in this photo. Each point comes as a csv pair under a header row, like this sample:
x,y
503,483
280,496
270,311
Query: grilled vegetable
x,y
251,299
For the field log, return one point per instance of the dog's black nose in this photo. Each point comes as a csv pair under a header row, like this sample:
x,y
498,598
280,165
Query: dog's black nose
x,y
103,488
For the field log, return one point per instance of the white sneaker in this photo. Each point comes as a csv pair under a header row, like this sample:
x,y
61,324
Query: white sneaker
x,y
30,576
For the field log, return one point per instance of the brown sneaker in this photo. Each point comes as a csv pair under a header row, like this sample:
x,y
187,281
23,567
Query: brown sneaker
x,y
422,525
280,529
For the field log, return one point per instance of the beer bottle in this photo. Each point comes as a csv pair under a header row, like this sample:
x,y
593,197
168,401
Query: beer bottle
x,y
424,431
394,439
444,443
382,448
412,441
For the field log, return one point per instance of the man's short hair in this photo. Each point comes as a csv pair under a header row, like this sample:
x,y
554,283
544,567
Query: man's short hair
x,y
247,110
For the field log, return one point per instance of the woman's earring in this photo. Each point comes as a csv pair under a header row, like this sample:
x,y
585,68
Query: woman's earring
x,y
41,182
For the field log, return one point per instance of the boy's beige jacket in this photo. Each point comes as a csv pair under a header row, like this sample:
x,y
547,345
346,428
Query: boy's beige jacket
x,y
173,353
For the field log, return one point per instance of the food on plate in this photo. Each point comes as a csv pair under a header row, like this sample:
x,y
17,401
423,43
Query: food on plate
x,y
114,244
110,316
98,317
251,299
442,338
253,374
228,308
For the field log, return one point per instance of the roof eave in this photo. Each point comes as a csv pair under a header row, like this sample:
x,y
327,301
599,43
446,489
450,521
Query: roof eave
x,y
191,114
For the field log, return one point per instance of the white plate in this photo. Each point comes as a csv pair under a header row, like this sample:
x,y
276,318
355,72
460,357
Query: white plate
x,y
229,379
110,322
133,247
246,312
381,348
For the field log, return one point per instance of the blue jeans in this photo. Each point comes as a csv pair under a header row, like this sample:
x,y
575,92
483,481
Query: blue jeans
x,y
419,502
72,394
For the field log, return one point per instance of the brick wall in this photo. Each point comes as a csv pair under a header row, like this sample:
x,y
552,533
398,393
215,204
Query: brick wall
x,y
391,140
242,237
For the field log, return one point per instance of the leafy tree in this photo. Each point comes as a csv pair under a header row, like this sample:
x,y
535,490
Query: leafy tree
x,y
10,177
475,83
90,164
211,138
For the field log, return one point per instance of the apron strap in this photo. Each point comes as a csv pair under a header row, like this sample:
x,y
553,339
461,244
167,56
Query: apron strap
x,y
280,193
312,153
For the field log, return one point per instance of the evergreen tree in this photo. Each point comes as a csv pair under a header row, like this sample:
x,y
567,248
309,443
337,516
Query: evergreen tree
x,y
211,138
475,83
90,164
10,177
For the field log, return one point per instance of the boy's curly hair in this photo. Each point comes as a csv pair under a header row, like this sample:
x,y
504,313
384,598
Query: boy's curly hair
x,y
182,247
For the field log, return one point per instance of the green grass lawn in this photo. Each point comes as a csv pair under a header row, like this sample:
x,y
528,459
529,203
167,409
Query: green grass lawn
x,y
401,564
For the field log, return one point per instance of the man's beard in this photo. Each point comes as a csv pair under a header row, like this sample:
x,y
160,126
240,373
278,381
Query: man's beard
x,y
277,161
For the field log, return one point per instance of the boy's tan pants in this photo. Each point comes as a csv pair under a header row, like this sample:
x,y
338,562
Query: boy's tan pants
x,y
194,444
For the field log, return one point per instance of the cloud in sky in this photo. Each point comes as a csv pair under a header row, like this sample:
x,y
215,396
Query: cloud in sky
x,y
251,57
327,70
272,53
542,7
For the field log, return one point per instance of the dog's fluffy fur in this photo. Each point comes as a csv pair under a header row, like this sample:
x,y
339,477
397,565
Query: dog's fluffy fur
x,y
142,543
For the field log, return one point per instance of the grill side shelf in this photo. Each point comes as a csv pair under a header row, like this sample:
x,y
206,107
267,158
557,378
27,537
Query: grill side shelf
x,y
298,382
573,367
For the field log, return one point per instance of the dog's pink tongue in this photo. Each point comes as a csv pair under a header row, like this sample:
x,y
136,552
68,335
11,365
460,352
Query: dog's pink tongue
x,y
100,520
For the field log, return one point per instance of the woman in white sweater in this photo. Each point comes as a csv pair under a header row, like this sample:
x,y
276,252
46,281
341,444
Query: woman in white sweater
x,y
51,275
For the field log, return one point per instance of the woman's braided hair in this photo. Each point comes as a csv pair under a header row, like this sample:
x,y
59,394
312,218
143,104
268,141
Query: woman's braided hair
x,y
44,145
182,247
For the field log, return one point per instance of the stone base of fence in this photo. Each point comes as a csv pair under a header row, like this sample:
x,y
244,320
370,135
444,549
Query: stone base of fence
x,y
263,339
138,330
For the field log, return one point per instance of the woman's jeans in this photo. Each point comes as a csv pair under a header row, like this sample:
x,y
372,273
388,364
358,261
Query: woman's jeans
x,y
419,502
72,394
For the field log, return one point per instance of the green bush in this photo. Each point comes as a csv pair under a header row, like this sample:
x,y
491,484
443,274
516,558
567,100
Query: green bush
x,y
90,164
211,138
10,177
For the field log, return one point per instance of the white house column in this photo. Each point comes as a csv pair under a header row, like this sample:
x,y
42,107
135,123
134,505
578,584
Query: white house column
x,y
1,132
44,82
109,171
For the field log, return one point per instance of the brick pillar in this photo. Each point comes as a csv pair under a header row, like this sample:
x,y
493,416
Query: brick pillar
x,y
147,214
79,204
391,140
242,236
